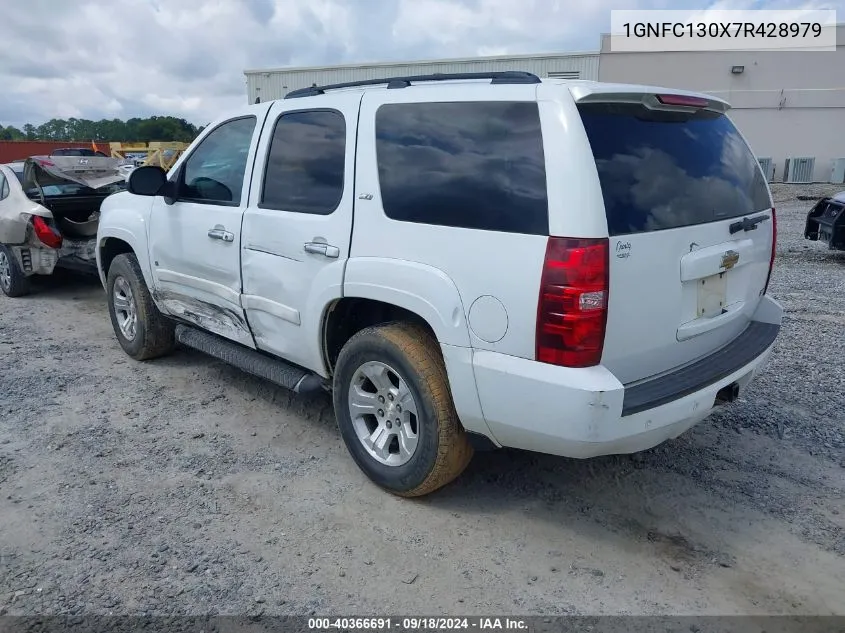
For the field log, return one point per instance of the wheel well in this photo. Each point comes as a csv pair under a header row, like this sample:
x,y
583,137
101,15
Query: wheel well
x,y
111,248
350,315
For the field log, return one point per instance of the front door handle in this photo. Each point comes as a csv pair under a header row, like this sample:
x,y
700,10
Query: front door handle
x,y
319,248
219,233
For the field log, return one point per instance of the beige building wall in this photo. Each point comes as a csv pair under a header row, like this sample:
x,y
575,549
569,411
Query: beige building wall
x,y
785,103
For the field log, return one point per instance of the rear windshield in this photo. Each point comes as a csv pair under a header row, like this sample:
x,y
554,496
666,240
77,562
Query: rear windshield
x,y
73,189
73,151
668,170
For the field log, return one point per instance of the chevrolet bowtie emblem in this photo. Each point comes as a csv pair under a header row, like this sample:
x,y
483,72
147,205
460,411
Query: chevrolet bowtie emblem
x,y
729,259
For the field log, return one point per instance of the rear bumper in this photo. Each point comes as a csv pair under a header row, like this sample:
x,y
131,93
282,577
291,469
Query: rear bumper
x,y
79,255
34,260
712,369
589,412
74,254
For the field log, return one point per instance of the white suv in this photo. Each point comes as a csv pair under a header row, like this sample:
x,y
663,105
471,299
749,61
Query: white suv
x,y
466,261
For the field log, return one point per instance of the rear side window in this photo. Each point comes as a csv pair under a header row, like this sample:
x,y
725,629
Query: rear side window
x,y
476,165
668,170
306,161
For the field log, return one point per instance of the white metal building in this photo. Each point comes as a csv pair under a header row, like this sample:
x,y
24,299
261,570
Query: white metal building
x,y
789,105
276,83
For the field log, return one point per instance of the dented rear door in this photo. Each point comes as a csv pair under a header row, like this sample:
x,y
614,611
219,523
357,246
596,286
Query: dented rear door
x,y
297,228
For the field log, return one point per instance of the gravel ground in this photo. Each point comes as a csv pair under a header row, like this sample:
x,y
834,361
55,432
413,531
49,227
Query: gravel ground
x,y
182,486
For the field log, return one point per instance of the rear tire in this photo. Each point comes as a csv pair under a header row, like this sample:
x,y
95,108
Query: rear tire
x,y
407,453
142,331
13,282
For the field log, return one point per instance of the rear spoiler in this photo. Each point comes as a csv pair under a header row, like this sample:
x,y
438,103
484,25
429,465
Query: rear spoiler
x,y
654,98
89,171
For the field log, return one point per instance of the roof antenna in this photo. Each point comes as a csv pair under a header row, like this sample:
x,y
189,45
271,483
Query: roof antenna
x,y
257,99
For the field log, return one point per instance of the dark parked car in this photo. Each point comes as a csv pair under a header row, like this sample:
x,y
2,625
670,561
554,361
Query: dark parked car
x,y
826,222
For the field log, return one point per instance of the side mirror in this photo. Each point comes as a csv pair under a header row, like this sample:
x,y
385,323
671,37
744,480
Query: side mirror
x,y
147,181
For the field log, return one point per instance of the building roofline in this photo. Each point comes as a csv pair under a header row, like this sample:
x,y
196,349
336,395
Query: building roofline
x,y
414,62
451,60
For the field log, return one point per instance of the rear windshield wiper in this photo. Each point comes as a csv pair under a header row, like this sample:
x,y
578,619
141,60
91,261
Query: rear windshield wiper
x,y
748,224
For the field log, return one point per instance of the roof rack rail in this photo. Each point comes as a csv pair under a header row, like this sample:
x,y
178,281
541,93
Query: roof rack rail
x,y
501,77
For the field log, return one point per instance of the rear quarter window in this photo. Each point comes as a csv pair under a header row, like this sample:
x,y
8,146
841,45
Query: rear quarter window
x,y
475,165
667,170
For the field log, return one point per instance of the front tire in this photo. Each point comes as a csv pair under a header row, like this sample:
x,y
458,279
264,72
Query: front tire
x,y
13,282
142,331
395,412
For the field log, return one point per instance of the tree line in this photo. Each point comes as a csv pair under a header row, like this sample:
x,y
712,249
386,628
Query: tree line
x,y
135,130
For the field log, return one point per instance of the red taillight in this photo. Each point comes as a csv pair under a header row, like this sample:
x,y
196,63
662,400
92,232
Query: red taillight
x,y
572,309
46,233
774,248
682,100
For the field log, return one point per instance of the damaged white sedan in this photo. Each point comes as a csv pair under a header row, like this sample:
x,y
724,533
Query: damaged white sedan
x,y
49,212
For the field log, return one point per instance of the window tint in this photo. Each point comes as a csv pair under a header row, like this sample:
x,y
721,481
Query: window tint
x,y
476,165
4,187
74,151
662,171
306,162
214,172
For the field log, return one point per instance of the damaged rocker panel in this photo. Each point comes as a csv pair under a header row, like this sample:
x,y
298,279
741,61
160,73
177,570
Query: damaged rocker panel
x,y
221,321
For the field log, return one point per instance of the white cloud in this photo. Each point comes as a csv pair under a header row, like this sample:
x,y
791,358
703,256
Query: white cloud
x,y
125,58
517,25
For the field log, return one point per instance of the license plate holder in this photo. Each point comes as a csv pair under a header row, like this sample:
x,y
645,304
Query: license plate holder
x,y
712,296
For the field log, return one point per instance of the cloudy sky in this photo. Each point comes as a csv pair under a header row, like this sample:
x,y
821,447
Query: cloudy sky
x,y
123,58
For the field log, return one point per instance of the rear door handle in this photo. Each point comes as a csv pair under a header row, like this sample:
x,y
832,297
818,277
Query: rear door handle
x,y
319,248
218,233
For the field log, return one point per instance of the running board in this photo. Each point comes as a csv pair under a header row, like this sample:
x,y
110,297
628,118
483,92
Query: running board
x,y
276,371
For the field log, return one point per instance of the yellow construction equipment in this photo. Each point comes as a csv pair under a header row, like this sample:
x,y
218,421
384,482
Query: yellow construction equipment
x,y
162,154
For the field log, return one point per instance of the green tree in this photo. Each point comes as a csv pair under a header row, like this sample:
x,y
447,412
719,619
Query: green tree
x,y
10,134
134,130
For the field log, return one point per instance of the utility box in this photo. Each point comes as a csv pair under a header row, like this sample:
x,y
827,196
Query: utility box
x,y
799,169
768,167
837,174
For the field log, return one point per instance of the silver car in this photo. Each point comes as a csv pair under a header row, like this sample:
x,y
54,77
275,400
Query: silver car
x,y
49,211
